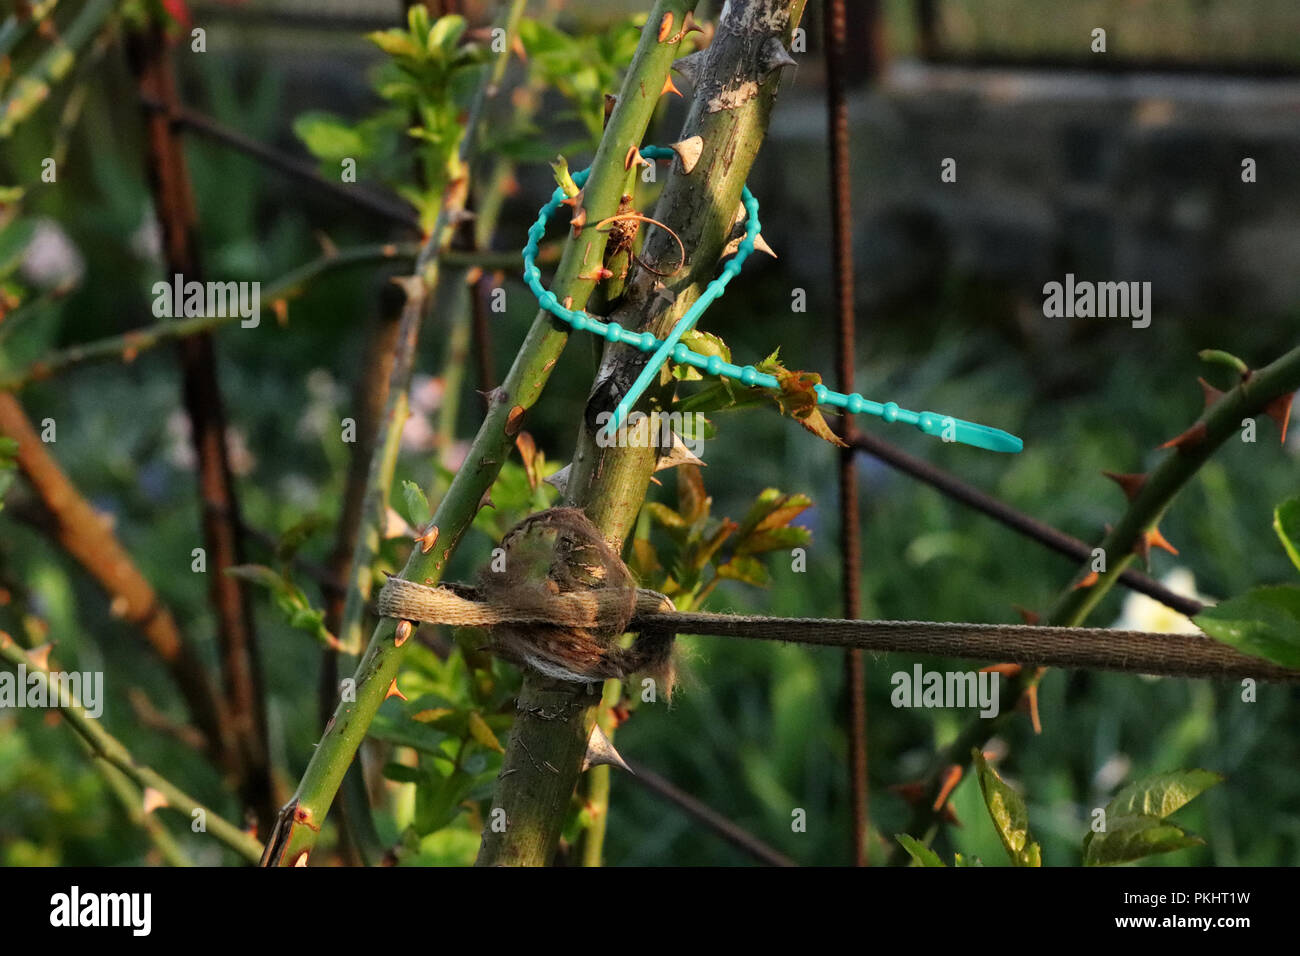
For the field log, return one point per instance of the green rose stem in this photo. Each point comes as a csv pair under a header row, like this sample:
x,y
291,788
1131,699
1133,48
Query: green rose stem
x,y
730,113
299,822
1220,422
113,752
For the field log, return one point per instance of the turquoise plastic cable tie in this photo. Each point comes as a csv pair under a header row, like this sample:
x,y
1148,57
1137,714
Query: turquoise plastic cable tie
x,y
945,427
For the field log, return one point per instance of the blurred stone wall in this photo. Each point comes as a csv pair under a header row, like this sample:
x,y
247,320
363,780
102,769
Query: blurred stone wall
x,y
1113,178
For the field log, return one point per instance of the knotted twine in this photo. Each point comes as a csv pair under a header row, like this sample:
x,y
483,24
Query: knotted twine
x,y
560,604
573,634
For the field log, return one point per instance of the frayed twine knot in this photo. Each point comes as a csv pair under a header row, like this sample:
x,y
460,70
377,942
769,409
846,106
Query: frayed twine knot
x,y
560,604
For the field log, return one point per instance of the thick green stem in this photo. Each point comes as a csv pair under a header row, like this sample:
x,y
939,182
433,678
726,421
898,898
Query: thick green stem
x,y
1220,422
734,95
108,747
299,823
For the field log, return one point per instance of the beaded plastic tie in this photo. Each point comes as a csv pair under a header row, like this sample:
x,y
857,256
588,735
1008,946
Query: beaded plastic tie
x,y
935,424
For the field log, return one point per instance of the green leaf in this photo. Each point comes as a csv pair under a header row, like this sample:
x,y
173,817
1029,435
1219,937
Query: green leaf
x,y
664,515
1010,818
329,138
438,798
1132,838
445,34
1264,622
417,18
776,539
8,467
921,854
1162,794
747,569
292,540
259,574
418,513
400,773
482,733
1286,522
705,343
395,43
14,240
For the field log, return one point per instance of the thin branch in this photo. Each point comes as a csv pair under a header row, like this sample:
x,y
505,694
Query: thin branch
x,y
1016,520
129,345
702,813
115,753
132,800
173,200
296,830
1220,422
837,109
88,538
384,206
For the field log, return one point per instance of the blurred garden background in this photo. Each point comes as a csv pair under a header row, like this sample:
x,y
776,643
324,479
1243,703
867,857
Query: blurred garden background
x,y
1125,166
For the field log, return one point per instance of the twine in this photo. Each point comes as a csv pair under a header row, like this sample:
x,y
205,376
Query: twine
x,y
572,634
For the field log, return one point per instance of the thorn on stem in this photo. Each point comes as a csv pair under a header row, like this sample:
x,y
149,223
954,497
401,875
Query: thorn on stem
x,y
1130,484
1188,439
428,539
1150,539
951,777
1280,411
1211,393
1006,670
688,151
153,799
1026,615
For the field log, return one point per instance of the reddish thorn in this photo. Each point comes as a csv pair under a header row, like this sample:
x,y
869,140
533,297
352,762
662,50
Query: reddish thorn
x,y
1006,670
1188,439
669,87
393,691
427,540
1031,703
40,656
951,777
1026,615
1130,484
1089,581
1211,393
1280,411
1154,538
578,220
